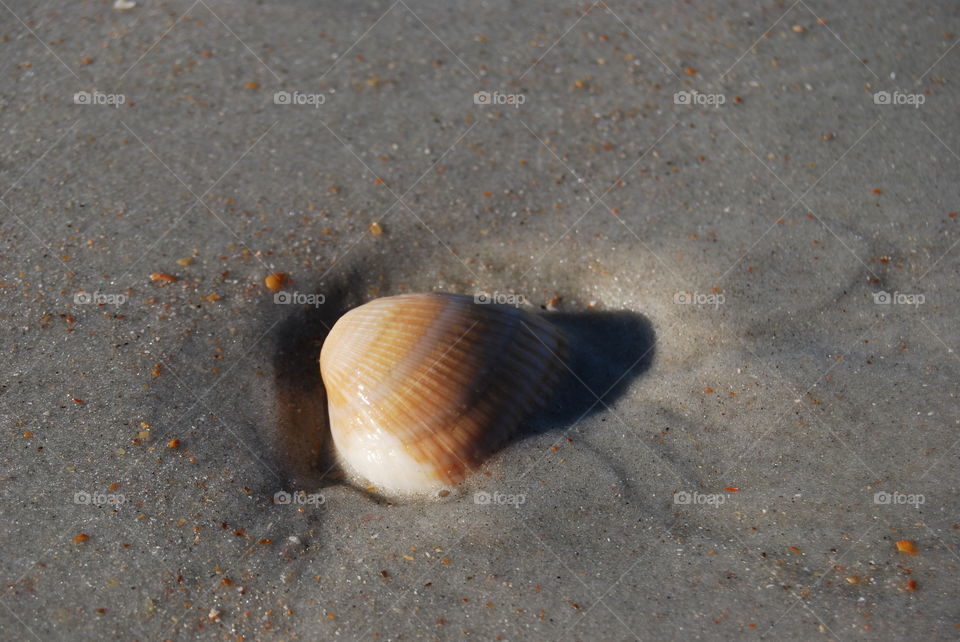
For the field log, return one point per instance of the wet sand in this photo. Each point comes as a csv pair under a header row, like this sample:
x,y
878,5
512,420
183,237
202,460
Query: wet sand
x,y
751,246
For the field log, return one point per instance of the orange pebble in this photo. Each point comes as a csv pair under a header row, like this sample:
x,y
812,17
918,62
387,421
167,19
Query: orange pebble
x,y
906,546
276,281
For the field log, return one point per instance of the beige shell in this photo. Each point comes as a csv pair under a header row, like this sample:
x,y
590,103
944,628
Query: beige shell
x,y
422,387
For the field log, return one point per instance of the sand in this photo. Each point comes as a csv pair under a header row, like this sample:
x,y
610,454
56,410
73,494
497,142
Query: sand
x,y
751,245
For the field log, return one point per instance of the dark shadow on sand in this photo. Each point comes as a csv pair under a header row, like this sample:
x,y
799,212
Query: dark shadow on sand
x,y
606,351
299,434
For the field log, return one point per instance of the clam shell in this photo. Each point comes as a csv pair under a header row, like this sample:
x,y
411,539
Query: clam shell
x,y
422,387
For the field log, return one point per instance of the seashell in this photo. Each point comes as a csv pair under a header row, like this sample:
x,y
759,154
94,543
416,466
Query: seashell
x,y
421,388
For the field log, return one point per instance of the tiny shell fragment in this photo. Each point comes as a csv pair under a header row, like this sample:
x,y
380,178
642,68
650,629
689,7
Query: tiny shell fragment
x,y
276,281
906,546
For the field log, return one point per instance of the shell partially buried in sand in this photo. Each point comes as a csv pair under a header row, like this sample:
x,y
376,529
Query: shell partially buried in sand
x,y
423,387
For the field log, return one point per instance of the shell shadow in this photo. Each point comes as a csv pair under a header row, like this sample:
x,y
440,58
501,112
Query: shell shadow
x,y
606,351
299,433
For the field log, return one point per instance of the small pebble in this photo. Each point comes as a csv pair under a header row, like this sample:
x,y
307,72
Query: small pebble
x,y
276,281
906,546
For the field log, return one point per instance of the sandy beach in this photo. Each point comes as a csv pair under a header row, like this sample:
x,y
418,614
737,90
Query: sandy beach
x,y
743,216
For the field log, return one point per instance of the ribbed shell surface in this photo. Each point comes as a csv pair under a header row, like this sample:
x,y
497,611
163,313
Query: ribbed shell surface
x,y
436,379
